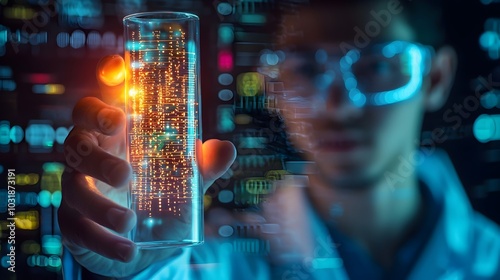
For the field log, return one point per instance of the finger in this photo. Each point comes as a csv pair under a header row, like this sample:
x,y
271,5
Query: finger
x,y
93,114
82,195
81,234
82,153
217,157
110,76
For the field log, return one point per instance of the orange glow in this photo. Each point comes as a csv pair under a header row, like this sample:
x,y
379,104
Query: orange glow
x,y
112,71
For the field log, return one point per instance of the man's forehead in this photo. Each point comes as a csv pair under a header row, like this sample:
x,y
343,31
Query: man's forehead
x,y
353,24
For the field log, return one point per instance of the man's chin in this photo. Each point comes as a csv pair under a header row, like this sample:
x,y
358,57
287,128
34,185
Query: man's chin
x,y
353,175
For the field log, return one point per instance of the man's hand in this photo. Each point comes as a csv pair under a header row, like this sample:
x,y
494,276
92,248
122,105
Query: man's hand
x,y
93,215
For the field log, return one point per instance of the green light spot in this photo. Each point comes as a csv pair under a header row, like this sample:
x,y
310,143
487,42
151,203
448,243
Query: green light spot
x,y
253,19
53,167
226,34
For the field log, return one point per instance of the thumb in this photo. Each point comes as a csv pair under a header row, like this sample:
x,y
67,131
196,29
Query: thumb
x,y
215,159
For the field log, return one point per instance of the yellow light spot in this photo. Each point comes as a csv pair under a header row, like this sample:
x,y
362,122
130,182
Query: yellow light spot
x,y
28,220
54,88
207,201
132,92
242,119
19,12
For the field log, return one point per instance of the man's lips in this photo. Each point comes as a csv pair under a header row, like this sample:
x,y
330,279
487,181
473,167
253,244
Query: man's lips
x,y
337,143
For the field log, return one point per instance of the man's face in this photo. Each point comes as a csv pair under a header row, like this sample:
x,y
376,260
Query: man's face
x,y
352,145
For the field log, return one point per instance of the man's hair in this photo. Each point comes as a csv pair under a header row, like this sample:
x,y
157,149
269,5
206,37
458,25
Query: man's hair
x,y
425,17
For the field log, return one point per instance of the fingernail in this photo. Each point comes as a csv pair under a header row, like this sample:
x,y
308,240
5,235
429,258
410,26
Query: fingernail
x,y
106,118
125,251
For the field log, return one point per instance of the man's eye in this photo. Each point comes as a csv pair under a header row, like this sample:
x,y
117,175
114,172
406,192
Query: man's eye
x,y
376,69
379,67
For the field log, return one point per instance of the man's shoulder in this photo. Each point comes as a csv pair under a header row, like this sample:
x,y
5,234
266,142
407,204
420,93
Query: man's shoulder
x,y
484,257
486,234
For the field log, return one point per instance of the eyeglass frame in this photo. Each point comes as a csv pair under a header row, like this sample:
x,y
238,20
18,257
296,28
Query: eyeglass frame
x,y
422,56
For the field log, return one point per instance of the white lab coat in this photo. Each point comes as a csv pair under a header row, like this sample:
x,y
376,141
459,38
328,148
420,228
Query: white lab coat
x,y
463,245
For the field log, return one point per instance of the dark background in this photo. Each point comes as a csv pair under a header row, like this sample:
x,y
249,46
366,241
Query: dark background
x,y
48,54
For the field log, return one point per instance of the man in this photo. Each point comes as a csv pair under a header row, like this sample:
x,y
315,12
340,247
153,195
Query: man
x,y
354,105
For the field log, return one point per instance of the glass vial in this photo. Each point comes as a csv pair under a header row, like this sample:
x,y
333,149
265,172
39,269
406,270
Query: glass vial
x,y
163,128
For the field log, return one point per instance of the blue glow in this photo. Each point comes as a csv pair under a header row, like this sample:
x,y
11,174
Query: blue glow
x,y
3,35
226,196
4,261
1,169
253,19
193,130
357,98
5,72
53,167
56,198
61,134
489,100
54,261
225,95
51,244
226,34
323,81
486,128
93,40
149,222
225,79
488,39
8,85
407,91
321,56
62,39
30,199
44,198
252,142
226,231
77,39
272,59
225,117
40,135
133,46
16,134
351,83
392,49
353,56
224,8
323,263
4,132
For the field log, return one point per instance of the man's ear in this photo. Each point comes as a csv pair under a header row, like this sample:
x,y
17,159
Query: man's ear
x,y
442,74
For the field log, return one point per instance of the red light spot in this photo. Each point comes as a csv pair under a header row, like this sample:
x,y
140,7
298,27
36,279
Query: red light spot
x,y
225,61
40,78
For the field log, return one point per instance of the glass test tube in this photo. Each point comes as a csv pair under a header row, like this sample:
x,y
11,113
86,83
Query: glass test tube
x,y
163,126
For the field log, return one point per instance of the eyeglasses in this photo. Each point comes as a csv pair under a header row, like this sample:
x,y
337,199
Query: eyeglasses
x,y
379,75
